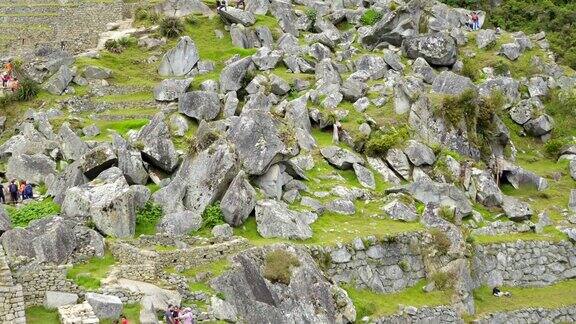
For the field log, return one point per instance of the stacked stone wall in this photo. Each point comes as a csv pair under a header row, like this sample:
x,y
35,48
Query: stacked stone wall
x,y
440,314
36,280
532,316
11,295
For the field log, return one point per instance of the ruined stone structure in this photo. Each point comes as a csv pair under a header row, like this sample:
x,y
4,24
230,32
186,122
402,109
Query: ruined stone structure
x,y
11,296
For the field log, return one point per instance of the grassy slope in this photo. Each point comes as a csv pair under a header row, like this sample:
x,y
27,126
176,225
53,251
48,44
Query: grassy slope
x,y
89,274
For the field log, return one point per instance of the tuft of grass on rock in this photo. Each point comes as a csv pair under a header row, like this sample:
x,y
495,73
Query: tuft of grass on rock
x,y
278,266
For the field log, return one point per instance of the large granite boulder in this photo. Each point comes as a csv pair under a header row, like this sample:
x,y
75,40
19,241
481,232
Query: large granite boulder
x,y
451,83
237,16
181,59
399,210
200,180
340,158
105,306
239,200
437,49
55,299
232,75
365,176
156,144
261,140
182,8
515,209
108,201
59,81
487,191
180,223
31,168
72,146
97,160
275,219
97,73
308,297
485,37
443,194
539,126
72,176
200,105
398,162
171,89
419,154
5,223
130,161
392,28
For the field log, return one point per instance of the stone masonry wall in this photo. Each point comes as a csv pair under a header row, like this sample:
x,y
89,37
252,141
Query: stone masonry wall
x,y
11,296
532,316
440,314
75,24
36,280
524,263
386,266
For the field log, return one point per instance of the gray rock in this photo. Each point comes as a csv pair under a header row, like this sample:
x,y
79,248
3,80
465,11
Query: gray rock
x,y
421,67
91,131
55,299
313,204
393,28
572,169
485,37
274,219
171,89
5,223
105,306
524,110
239,200
181,59
419,154
272,181
393,60
353,89
511,50
537,87
97,73
232,75
179,125
519,177
340,158
365,176
180,223
182,8
130,162
261,141
156,144
443,194
222,231
200,105
487,191
451,83
278,86
539,126
72,146
59,81
266,59
515,209
237,16
97,160
398,210
31,168
200,180
399,162
221,309
572,200
437,49
341,206
72,176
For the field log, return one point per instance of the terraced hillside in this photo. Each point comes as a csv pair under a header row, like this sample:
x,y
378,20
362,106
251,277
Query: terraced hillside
x,y
303,161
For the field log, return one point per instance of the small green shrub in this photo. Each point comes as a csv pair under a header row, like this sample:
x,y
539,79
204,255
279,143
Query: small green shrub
x,y
127,41
113,46
28,90
440,240
312,15
554,147
141,14
147,218
22,216
469,70
460,107
447,213
380,142
212,216
443,281
191,20
404,265
501,67
171,27
278,266
370,17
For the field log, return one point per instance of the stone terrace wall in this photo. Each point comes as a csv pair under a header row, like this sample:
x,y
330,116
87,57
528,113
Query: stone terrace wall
x,y
532,316
440,314
384,266
524,263
76,23
11,296
36,280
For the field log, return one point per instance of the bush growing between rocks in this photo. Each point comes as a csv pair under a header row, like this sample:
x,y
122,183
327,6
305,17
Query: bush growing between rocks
x,y
381,141
554,147
171,27
278,266
440,240
212,216
113,46
312,14
22,216
443,281
447,213
147,218
370,17
191,20
127,41
28,90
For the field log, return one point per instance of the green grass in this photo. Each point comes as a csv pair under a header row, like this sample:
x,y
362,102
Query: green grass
x,y
549,234
554,296
23,215
41,315
89,274
107,127
369,303
132,313
216,268
130,97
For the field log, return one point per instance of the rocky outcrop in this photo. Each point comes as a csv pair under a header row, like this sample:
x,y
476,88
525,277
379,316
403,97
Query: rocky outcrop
x,y
274,219
156,145
180,60
437,49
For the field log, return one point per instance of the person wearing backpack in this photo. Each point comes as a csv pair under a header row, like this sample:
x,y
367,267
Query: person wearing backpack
x,y
13,189
28,193
2,198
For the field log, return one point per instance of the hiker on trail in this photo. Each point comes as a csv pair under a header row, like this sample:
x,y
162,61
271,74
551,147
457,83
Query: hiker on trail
x,y
21,189
5,79
13,189
168,315
2,197
175,314
497,293
28,192
123,319
186,316
240,3
475,21
9,67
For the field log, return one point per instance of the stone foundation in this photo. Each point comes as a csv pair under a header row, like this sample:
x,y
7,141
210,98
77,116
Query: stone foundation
x,y
532,316
440,314
36,280
11,295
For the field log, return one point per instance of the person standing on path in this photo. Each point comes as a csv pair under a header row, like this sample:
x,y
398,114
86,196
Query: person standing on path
x,y
2,197
13,189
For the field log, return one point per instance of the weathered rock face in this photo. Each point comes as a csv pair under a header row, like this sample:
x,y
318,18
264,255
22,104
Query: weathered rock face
x,y
309,297
399,162
157,146
71,145
487,191
32,168
180,60
171,89
71,176
59,81
237,16
130,161
515,209
340,158
261,141
107,200
5,223
232,75
238,201
399,210
451,83
485,37
274,219
392,28
182,8
97,160
419,154
97,73
200,180
201,105
55,299
105,306
442,194
437,49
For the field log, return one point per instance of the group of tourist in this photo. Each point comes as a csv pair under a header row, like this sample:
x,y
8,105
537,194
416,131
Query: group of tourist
x,y
9,81
474,20
16,191
177,315
222,4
